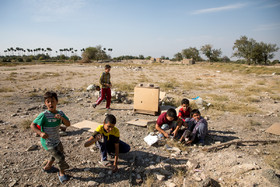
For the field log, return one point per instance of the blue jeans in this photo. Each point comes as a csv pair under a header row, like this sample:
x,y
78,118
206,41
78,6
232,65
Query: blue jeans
x,y
109,147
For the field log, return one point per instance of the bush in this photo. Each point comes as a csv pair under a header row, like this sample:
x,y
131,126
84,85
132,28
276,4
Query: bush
x,y
275,62
20,59
6,60
28,60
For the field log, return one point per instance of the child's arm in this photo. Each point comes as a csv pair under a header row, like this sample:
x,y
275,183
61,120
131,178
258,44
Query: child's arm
x,y
161,131
33,126
179,124
117,148
64,120
92,140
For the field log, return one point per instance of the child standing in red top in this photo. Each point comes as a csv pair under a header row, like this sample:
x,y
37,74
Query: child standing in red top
x,y
106,85
185,111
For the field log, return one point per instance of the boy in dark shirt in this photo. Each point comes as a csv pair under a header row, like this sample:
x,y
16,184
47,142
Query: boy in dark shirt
x,y
168,123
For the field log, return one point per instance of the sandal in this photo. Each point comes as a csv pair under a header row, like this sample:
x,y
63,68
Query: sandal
x,y
105,163
63,178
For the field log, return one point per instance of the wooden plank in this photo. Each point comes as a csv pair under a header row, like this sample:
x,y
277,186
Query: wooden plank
x,y
87,125
227,144
140,122
274,129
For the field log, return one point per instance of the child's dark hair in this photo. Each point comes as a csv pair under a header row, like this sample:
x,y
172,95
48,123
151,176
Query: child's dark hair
x,y
97,88
185,101
195,111
110,118
107,66
171,112
50,94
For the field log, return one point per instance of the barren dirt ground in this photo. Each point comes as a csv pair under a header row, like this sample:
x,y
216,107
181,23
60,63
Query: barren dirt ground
x,y
243,106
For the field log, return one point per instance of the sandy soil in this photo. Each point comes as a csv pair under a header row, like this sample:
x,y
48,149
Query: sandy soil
x,y
243,107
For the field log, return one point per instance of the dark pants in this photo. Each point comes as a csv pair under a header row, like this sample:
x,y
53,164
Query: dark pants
x,y
57,153
109,147
105,93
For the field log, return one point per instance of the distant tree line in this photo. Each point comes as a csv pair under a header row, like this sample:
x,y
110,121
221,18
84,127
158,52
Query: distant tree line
x,y
247,50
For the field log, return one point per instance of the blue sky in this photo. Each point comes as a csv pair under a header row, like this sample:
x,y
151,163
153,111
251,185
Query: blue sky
x,y
137,27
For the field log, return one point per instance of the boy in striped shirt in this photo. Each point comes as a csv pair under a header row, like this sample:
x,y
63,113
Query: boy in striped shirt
x,y
49,122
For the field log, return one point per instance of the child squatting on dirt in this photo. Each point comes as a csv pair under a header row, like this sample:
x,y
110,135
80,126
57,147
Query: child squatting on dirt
x,y
107,139
196,130
168,124
50,121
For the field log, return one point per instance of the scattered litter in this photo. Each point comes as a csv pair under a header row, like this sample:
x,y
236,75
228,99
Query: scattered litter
x,y
91,87
150,140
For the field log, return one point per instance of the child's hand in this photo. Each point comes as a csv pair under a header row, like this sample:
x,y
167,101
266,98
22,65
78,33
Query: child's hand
x,y
58,116
115,168
98,137
44,135
166,135
189,142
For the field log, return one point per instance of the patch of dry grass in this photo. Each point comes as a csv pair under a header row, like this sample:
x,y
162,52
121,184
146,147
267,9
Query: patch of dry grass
x,y
124,87
150,181
238,108
273,158
252,100
6,89
143,79
243,68
25,124
219,98
169,85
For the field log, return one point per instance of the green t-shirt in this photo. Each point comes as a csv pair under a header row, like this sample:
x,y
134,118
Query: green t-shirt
x,y
50,125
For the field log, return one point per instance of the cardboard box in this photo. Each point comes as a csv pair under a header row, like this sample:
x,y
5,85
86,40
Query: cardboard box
x,y
146,99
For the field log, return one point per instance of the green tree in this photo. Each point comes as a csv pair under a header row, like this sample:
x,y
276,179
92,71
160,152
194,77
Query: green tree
x,y
252,51
191,52
141,57
89,53
178,57
212,54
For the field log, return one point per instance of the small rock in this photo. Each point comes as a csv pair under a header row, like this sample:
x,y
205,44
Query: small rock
x,y
110,172
32,148
210,182
79,99
101,175
160,177
92,184
192,164
170,183
87,169
14,115
13,183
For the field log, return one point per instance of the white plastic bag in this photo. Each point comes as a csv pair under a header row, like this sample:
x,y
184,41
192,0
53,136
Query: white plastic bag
x,y
150,140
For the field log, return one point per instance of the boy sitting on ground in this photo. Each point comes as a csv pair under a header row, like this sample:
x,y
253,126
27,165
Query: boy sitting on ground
x,y
168,124
197,129
49,122
107,139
